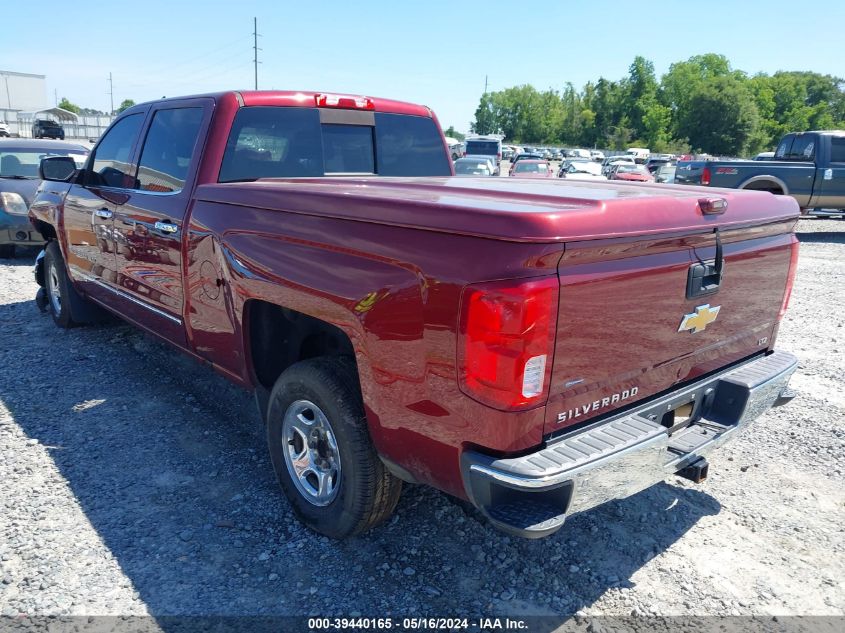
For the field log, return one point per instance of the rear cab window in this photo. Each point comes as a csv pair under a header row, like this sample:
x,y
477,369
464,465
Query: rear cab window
x,y
292,142
482,147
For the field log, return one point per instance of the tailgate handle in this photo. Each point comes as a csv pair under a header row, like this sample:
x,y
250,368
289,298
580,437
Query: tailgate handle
x,y
705,278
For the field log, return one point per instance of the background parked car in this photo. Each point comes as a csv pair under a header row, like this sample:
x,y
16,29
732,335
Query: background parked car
x,y
484,146
19,160
630,173
581,170
473,166
532,169
490,160
526,155
611,161
45,128
665,174
4,129
596,155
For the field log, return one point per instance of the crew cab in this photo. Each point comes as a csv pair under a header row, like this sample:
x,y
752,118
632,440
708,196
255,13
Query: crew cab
x,y
534,347
808,166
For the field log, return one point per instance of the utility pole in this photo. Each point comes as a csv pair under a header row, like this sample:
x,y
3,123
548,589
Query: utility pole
x,y
56,96
255,49
485,84
111,95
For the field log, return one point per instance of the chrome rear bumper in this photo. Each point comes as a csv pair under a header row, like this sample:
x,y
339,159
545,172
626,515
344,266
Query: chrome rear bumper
x,y
531,495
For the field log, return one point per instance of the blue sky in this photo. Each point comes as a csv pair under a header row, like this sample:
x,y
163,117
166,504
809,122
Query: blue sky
x,y
436,53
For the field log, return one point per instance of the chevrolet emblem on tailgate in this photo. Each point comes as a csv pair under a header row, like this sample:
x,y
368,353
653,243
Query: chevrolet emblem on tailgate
x,y
700,319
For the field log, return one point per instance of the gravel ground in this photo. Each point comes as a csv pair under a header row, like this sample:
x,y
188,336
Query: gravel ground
x,y
133,481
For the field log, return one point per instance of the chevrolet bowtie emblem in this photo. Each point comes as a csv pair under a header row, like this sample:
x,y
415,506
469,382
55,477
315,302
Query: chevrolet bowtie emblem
x,y
700,319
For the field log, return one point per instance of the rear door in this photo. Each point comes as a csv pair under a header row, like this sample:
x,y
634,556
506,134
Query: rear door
x,y
91,203
830,182
148,224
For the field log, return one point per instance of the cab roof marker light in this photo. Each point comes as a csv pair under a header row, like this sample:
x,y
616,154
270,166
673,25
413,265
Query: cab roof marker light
x,y
352,102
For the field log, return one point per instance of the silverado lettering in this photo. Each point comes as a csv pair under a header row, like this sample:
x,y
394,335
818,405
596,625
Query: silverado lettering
x,y
596,405
420,327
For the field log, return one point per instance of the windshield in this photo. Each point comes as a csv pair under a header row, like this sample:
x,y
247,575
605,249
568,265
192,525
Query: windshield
x,y
523,167
18,162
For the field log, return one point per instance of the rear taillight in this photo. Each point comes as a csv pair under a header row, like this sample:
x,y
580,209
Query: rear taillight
x,y
505,342
705,176
352,102
790,278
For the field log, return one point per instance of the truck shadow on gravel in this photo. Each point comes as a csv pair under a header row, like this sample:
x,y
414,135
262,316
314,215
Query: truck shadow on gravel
x,y
167,462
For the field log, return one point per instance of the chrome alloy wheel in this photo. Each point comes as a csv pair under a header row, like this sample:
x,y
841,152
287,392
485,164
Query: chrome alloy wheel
x,y
53,289
311,452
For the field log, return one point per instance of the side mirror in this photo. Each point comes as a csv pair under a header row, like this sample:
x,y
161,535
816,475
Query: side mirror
x,y
57,168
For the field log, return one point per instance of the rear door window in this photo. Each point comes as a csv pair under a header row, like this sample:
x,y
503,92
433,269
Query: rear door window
x,y
837,149
168,149
285,142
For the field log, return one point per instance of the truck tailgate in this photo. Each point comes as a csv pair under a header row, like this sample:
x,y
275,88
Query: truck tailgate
x,y
627,329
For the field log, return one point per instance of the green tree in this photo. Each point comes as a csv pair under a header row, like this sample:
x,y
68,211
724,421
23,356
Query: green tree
x,y
484,118
125,104
64,104
720,116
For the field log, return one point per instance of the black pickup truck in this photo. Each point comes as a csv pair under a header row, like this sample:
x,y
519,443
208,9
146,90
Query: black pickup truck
x,y
809,166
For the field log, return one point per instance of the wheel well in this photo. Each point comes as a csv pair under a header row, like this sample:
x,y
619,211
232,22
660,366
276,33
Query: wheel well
x,y
48,232
765,185
280,337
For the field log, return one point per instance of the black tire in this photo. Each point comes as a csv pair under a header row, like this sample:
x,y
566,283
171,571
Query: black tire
x,y
7,251
71,309
366,493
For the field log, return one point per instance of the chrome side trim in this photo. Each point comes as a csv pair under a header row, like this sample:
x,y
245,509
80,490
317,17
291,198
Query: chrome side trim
x,y
128,297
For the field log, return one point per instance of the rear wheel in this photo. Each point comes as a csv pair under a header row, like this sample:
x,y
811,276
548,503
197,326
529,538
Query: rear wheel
x,y
321,450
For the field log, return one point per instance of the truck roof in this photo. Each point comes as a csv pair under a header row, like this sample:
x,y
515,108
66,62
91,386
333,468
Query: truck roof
x,y
301,98
507,208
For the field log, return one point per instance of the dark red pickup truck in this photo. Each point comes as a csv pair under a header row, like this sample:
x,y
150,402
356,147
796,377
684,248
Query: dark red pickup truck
x,y
536,348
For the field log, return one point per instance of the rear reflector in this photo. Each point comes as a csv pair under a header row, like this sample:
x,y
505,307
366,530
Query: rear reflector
x,y
350,102
505,342
790,277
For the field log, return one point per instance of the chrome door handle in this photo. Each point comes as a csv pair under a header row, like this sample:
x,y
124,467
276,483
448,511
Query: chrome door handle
x,y
104,213
166,227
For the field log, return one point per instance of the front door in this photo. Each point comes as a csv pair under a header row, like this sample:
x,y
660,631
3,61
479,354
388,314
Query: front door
x,y
148,226
91,204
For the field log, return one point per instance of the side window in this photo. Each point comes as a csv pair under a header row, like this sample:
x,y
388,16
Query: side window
x,y
837,149
110,167
803,148
784,148
271,142
168,149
